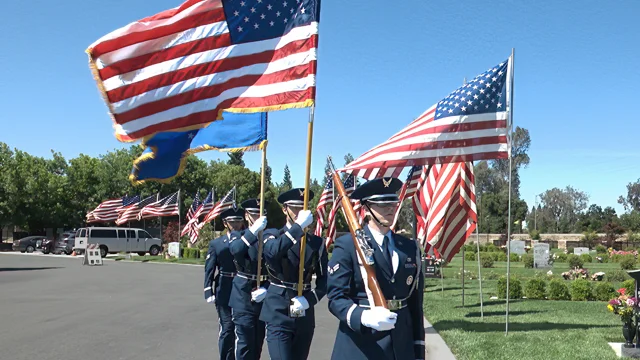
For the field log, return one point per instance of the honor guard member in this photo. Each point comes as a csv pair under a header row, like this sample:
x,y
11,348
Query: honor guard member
x,y
219,257
290,318
367,332
246,295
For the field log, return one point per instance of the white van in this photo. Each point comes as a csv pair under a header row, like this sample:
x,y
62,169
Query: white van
x,y
114,240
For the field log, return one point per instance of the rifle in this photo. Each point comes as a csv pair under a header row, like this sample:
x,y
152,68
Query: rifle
x,y
363,250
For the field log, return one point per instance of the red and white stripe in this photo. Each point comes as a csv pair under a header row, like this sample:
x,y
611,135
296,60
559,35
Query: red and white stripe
x,y
179,69
227,202
414,179
106,211
326,198
167,206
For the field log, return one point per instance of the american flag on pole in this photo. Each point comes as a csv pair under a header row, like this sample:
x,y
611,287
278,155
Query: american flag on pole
x,y
131,212
127,202
106,211
349,186
227,202
469,124
167,206
409,188
204,208
445,206
326,198
190,213
182,67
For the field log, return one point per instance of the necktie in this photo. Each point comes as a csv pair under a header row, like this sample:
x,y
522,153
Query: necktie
x,y
386,253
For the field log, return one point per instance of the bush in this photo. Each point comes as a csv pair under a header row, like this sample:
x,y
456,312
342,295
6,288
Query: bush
x,y
616,258
486,260
574,261
514,257
558,290
586,258
535,289
494,255
561,258
569,250
502,256
470,249
581,290
601,249
469,256
630,286
492,248
617,276
515,288
628,262
527,259
483,247
604,291
535,234
491,276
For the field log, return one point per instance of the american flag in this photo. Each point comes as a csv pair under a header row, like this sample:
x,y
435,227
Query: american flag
x,y
204,208
131,212
349,186
167,206
127,201
445,206
326,198
469,124
182,67
106,211
190,213
227,202
409,188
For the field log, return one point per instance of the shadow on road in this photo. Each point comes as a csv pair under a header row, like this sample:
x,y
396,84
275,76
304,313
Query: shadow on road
x,y
29,268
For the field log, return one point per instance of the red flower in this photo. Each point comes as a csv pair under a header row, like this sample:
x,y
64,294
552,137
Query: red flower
x,y
621,291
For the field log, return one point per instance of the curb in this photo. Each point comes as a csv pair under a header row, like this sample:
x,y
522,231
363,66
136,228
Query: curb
x,y
103,259
436,348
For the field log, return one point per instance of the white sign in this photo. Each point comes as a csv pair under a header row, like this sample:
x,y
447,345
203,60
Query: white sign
x,y
517,247
174,249
540,255
580,250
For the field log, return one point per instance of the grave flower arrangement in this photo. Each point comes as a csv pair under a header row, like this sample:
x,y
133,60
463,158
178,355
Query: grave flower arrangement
x,y
626,307
576,273
599,276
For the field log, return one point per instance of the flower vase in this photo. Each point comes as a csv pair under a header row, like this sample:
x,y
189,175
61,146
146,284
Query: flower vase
x,y
629,333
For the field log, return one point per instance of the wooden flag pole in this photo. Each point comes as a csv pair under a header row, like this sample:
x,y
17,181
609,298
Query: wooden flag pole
x,y
262,186
303,241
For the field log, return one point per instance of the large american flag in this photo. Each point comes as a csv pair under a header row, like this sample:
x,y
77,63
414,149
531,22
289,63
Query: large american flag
x,y
106,211
227,202
127,202
349,186
131,212
167,206
190,213
204,208
326,198
445,206
469,124
182,67
409,188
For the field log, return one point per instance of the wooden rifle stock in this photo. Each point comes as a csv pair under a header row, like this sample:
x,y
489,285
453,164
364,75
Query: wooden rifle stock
x,y
358,236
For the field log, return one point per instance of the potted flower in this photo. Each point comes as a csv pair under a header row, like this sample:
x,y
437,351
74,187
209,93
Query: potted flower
x,y
625,306
599,276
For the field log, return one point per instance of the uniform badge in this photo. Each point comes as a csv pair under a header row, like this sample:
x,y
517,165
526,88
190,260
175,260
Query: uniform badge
x,y
386,182
301,192
409,280
208,256
331,270
408,259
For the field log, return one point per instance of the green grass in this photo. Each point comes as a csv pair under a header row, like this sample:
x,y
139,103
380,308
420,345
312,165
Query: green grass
x,y
538,329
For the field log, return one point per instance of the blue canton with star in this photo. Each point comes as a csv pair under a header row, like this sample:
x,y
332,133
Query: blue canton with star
x,y
349,182
484,94
255,20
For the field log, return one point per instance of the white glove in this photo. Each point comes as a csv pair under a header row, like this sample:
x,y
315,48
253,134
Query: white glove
x,y
379,319
258,295
212,299
258,225
304,219
299,304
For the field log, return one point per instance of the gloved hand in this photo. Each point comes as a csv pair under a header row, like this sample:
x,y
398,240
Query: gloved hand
x,y
379,318
258,295
304,219
258,225
299,303
212,299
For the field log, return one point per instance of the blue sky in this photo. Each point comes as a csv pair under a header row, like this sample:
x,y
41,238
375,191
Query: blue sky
x,y
379,66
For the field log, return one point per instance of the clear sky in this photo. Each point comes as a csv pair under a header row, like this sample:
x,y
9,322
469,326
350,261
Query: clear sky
x,y
380,64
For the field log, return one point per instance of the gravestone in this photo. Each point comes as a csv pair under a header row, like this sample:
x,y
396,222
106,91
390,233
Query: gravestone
x,y
429,268
517,247
174,249
580,250
540,255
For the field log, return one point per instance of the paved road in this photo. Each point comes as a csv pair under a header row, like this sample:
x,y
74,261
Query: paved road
x,y
54,308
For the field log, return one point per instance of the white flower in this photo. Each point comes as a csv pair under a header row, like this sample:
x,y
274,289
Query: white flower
x,y
549,273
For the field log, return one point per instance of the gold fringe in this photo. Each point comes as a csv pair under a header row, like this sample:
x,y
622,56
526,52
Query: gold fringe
x,y
298,105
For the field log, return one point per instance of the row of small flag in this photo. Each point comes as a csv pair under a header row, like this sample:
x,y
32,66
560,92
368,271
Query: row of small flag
x,y
131,208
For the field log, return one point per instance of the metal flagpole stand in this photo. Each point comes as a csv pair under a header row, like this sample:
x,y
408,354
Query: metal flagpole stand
x,y
262,186
510,141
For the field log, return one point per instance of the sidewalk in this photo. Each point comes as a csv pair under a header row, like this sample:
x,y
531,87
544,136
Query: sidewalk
x,y
436,348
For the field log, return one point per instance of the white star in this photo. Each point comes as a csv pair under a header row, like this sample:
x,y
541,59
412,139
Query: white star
x,y
499,95
468,92
476,108
494,70
462,99
488,95
450,111
271,23
246,19
457,97
493,89
269,7
191,135
285,20
302,11
494,79
236,13
487,76
482,101
501,64
487,84
481,81
486,106
475,96
253,9
263,16
469,102
242,3
278,13
240,28
475,87
284,4
500,72
493,101
463,108
481,91
457,104
255,25
291,11
259,1
499,105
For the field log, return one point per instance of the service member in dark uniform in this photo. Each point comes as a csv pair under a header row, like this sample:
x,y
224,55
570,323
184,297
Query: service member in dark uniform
x,y
246,296
376,333
290,318
219,257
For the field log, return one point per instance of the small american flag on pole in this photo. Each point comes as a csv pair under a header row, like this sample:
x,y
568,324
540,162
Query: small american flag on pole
x,y
227,202
182,67
409,188
106,211
167,206
326,198
469,124
190,213
204,208
349,186
131,212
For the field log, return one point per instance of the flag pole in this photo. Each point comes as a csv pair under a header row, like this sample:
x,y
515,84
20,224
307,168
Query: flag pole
x,y
464,82
478,259
262,186
179,223
510,139
303,241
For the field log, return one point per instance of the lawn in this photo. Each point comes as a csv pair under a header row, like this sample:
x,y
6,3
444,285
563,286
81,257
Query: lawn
x,y
538,329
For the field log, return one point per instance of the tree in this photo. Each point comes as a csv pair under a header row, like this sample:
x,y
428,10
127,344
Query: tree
x,y
561,209
632,200
287,184
520,159
267,174
235,158
327,172
631,220
6,162
347,159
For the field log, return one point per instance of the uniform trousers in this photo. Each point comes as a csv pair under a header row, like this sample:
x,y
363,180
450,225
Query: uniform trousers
x,y
249,332
285,343
225,334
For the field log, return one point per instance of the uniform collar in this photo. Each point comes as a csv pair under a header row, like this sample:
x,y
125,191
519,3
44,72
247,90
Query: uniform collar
x,y
379,237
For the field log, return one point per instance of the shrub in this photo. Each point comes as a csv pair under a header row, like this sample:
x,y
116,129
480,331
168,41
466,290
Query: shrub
x,y
604,291
469,256
491,276
502,256
630,286
601,249
483,247
535,234
492,248
617,276
574,261
581,290
470,249
628,262
558,290
494,255
616,258
586,258
514,257
527,259
569,250
535,289
486,260
561,258
515,288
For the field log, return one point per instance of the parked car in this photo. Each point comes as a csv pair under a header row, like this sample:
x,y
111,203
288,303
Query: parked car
x,y
65,244
113,240
28,244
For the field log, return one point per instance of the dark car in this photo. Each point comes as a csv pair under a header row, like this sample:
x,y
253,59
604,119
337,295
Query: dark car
x,y
65,244
28,244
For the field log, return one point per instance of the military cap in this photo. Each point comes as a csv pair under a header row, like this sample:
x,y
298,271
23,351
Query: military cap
x,y
294,197
234,213
382,190
252,206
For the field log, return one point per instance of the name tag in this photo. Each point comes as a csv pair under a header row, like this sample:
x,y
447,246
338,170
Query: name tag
x,y
410,266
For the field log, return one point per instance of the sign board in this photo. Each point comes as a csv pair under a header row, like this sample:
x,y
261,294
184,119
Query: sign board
x,y
429,268
541,255
174,249
580,250
517,247
92,255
